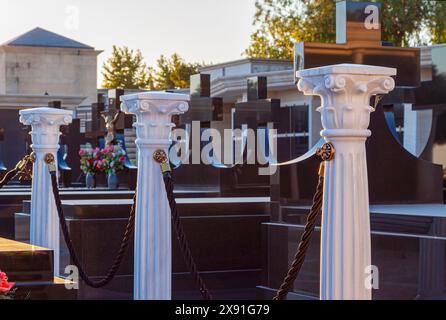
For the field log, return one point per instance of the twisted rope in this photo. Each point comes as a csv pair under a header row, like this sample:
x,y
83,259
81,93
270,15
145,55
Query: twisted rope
x,y
122,250
293,272
181,236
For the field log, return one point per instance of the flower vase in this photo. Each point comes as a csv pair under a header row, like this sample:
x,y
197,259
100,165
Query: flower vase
x,y
112,181
90,180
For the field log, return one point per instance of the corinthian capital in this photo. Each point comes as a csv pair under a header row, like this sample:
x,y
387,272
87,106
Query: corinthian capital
x,y
345,92
154,112
45,124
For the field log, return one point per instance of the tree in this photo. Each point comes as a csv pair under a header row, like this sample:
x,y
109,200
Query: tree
x,y
437,24
172,73
126,69
280,23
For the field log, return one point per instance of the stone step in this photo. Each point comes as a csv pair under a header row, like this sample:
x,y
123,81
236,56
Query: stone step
x,y
25,263
31,269
11,202
95,208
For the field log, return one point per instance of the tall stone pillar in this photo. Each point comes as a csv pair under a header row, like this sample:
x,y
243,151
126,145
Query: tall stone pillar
x,y
345,92
153,247
45,124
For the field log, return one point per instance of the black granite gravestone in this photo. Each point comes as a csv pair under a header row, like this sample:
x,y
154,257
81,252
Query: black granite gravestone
x,y
93,128
68,145
401,229
255,114
432,95
205,112
395,176
2,164
96,132
124,121
358,40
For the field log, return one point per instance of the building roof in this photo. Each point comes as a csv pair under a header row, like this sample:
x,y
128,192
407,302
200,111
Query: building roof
x,y
39,37
246,61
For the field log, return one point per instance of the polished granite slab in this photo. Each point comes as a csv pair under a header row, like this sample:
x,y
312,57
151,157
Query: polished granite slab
x,y
408,247
224,236
119,208
406,218
13,198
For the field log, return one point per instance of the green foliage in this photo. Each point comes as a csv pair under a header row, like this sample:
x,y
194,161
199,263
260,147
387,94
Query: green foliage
x,y
437,24
172,73
280,23
126,69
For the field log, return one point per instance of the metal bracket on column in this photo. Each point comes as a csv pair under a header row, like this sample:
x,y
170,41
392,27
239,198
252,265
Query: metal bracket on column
x,y
326,152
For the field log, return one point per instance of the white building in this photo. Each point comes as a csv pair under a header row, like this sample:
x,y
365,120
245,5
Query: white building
x,y
41,66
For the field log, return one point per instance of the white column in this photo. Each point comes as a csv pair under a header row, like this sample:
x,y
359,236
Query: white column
x,y
345,91
153,247
45,124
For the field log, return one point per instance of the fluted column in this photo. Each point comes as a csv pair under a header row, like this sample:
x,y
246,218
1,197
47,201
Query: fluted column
x,y
345,91
44,226
153,247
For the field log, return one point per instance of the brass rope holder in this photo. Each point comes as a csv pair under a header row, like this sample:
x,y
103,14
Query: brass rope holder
x,y
50,161
161,157
326,153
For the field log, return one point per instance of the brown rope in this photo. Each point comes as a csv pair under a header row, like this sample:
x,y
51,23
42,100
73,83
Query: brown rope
x,y
181,236
302,249
66,234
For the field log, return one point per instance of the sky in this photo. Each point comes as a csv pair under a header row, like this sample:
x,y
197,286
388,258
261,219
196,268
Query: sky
x,y
199,30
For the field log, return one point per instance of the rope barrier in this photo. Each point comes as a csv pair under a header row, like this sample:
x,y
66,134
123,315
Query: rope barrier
x,y
326,152
20,169
161,157
49,159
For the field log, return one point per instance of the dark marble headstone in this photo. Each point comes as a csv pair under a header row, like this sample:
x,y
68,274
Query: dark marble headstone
x,y
254,114
15,144
394,175
432,95
125,121
55,104
207,111
2,164
224,238
257,88
359,41
200,85
94,127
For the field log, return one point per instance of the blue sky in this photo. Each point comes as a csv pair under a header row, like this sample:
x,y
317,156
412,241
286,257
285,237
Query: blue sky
x,y
199,30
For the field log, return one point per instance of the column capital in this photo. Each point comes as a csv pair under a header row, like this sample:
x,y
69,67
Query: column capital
x,y
345,91
45,123
154,112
